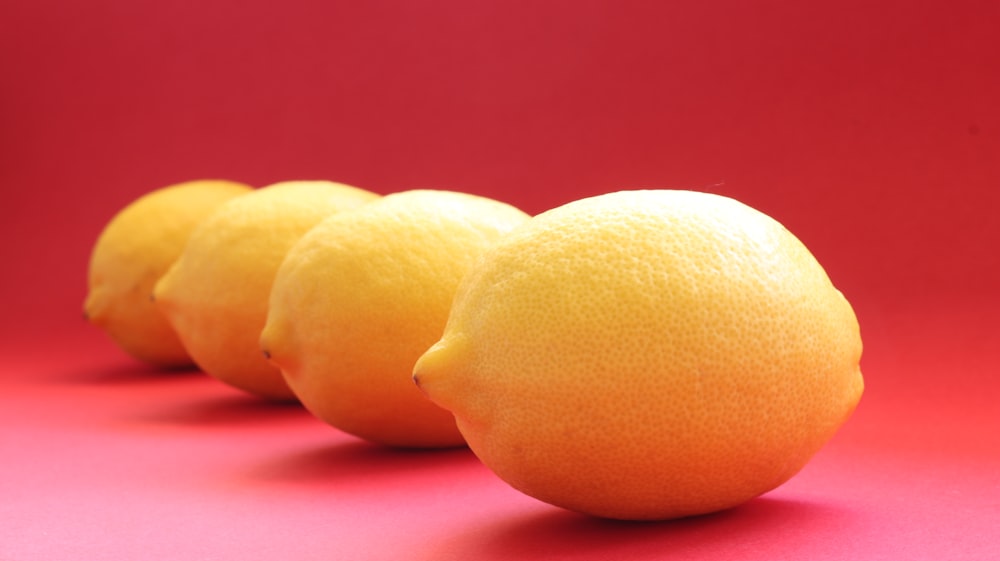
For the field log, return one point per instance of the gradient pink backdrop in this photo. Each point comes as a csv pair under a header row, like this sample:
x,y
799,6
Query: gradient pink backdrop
x,y
870,129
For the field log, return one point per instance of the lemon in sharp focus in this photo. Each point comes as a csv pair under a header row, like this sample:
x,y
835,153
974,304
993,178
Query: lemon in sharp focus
x,y
647,355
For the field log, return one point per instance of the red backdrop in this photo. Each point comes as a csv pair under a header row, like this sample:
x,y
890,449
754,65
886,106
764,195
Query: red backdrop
x,y
870,129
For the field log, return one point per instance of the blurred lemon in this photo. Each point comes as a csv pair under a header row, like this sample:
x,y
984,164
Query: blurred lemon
x,y
139,244
216,293
364,294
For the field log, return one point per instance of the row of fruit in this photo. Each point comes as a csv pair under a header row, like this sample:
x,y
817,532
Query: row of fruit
x,y
636,355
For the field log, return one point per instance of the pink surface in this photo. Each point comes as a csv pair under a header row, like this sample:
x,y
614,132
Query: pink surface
x,y
872,132
104,459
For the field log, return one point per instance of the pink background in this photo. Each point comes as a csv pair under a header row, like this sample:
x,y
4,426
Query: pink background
x,y
871,130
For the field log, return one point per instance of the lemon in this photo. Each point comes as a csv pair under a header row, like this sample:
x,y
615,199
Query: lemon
x,y
135,248
647,355
361,296
216,294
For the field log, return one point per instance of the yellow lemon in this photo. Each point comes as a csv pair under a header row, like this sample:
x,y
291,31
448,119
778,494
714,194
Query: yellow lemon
x,y
364,294
216,293
136,247
647,355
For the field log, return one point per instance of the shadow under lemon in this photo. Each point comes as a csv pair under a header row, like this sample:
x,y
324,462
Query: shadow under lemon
x,y
351,462
768,525
226,407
